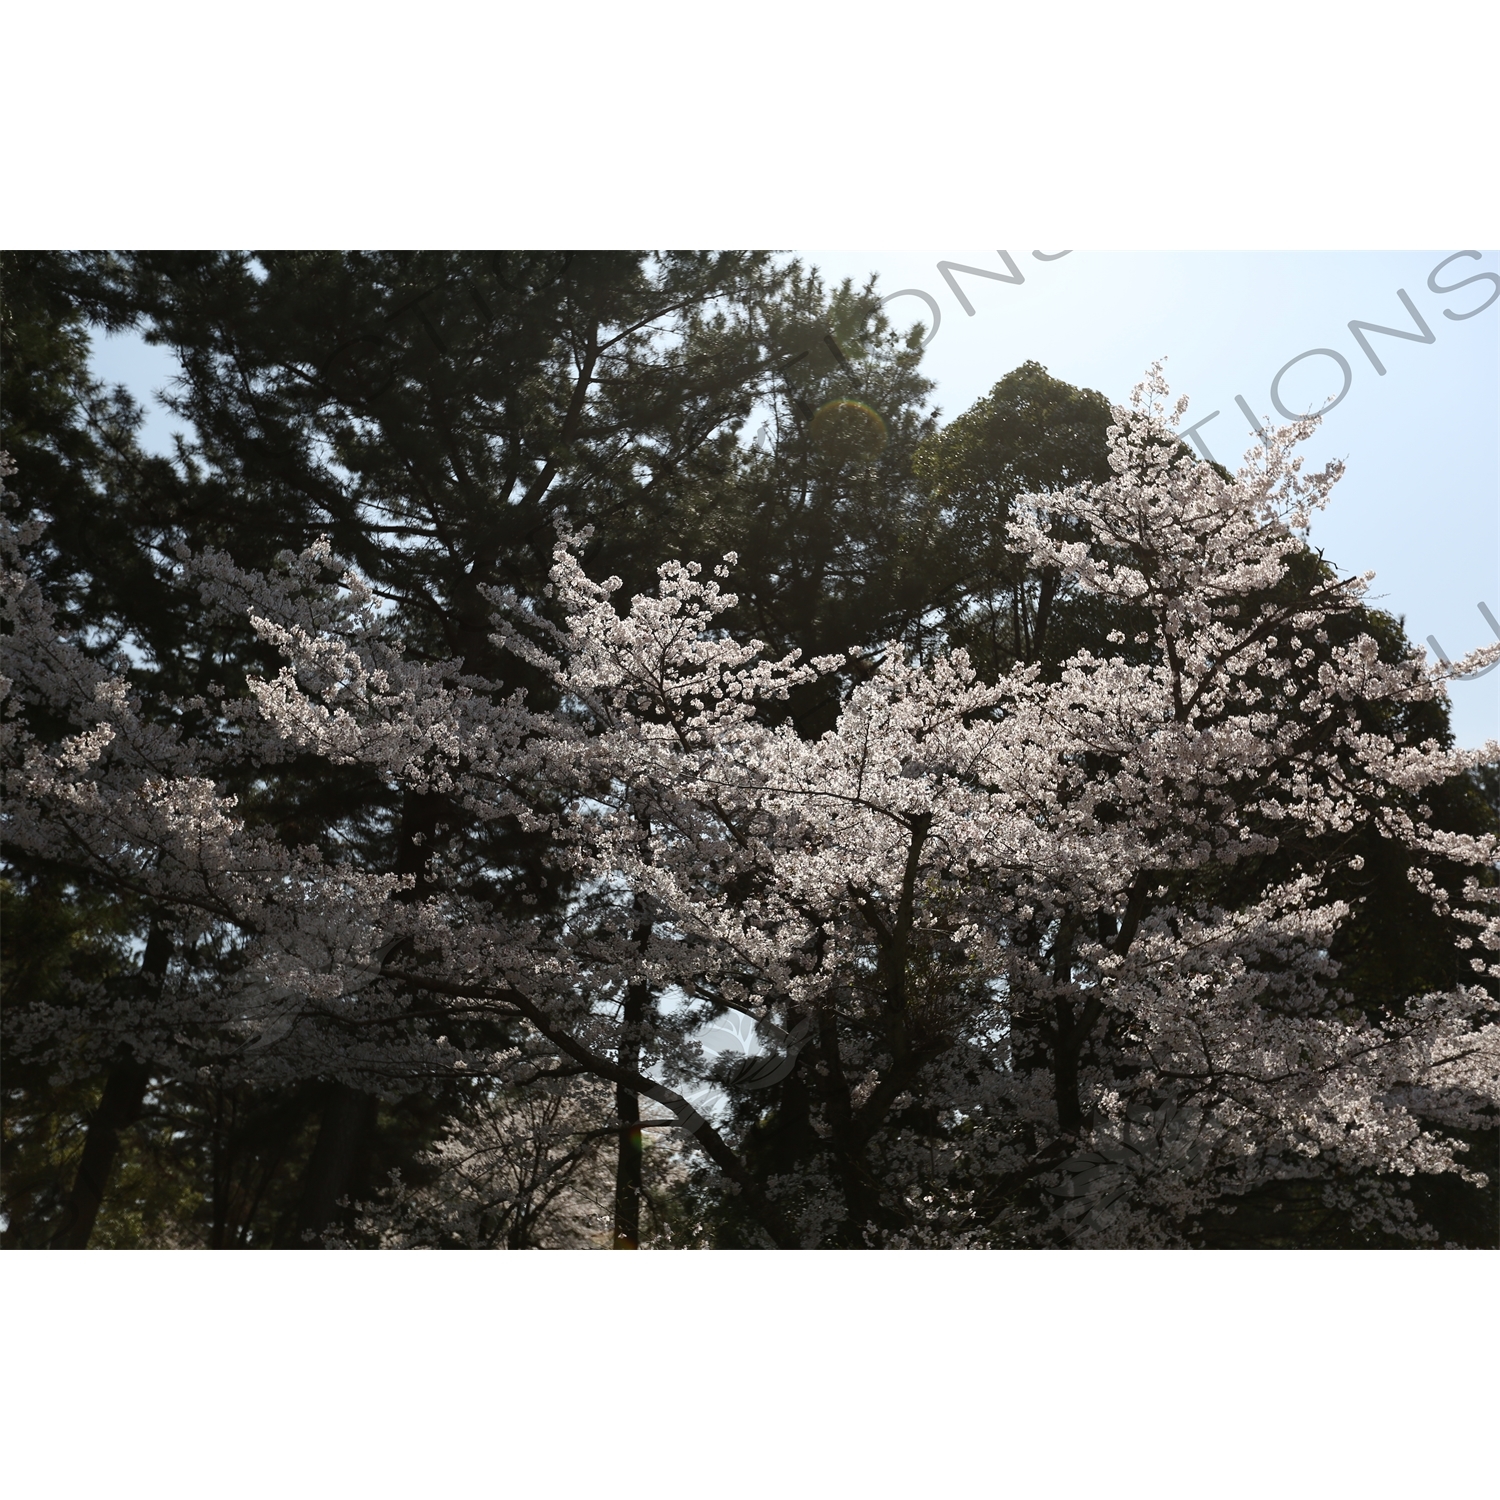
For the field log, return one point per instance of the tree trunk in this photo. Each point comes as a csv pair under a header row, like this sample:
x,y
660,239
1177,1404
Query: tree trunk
x,y
1065,1074
348,1116
627,1234
348,1120
119,1108
1070,1034
124,1094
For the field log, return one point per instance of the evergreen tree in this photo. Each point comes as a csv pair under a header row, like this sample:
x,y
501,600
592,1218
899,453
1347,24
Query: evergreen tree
x,y
437,416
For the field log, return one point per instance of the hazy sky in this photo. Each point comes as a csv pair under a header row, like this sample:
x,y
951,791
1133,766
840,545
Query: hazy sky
x,y
1420,503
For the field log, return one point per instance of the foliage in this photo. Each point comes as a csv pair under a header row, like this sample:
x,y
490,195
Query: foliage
x,y
1047,957
434,414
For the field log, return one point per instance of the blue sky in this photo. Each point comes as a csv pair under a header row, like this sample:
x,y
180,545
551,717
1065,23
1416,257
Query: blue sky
x,y
1420,503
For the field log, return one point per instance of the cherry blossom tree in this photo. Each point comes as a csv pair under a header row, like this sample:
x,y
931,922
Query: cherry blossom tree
x,y
1043,960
